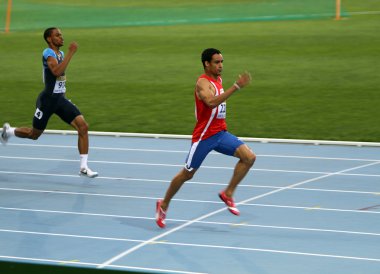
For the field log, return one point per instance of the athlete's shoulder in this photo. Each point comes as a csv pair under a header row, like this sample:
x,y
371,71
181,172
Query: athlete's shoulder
x,y
209,79
202,81
203,76
49,52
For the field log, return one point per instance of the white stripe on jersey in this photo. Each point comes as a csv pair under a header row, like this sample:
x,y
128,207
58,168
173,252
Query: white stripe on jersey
x,y
195,145
213,112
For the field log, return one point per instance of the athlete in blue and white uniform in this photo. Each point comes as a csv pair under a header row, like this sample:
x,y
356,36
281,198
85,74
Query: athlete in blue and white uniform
x,y
52,99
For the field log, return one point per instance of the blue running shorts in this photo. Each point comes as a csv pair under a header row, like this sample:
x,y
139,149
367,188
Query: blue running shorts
x,y
223,142
46,106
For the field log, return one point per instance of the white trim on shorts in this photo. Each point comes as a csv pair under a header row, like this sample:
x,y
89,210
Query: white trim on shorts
x,y
195,144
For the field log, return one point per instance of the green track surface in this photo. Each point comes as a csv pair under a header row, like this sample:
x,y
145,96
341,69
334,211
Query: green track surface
x,y
313,79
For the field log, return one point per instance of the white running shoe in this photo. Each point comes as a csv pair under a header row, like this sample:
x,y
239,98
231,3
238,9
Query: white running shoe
x,y
4,135
88,172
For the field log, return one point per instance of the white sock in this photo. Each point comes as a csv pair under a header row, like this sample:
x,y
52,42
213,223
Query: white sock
x,y
83,160
11,131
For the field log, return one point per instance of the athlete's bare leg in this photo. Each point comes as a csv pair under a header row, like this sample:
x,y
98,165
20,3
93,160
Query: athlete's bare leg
x,y
247,159
79,124
30,133
178,180
82,127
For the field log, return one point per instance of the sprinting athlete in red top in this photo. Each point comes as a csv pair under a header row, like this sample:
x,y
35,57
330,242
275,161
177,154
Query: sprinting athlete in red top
x,y
209,120
210,133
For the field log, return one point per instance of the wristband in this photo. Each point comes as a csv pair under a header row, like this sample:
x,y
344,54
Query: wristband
x,y
237,86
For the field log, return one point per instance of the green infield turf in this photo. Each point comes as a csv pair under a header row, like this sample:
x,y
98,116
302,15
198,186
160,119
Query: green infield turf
x,y
313,79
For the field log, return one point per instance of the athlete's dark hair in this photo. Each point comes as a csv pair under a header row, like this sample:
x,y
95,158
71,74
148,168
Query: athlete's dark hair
x,y
207,55
48,32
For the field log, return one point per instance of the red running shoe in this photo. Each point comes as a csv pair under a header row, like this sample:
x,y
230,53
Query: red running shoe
x,y
229,203
160,215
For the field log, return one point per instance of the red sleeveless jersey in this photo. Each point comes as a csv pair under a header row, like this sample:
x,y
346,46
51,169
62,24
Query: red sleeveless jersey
x,y
209,120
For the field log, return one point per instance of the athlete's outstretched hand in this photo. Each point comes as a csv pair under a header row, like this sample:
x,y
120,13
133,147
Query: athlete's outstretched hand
x,y
244,79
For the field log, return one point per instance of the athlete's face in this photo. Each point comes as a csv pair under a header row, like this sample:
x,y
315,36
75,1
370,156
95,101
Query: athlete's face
x,y
215,66
56,38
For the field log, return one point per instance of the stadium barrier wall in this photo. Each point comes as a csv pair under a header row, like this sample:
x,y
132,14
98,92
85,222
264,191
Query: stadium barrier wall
x,y
247,139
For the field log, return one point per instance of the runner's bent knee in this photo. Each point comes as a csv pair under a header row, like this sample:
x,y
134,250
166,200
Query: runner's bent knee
x,y
83,128
251,159
34,135
80,125
188,175
246,155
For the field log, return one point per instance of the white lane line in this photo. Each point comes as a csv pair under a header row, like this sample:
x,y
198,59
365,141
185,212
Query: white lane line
x,y
224,224
274,251
176,165
156,180
105,148
137,247
186,151
315,209
61,192
182,200
307,181
191,245
358,174
317,158
69,235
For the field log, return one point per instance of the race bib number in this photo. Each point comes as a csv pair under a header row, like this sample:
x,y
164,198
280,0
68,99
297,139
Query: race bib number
x,y
222,111
60,86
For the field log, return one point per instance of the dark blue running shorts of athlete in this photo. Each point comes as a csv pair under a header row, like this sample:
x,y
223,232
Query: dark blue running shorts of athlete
x,y
47,106
223,142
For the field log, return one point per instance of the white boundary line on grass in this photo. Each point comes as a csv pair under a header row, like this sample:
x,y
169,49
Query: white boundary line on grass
x,y
154,239
247,139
